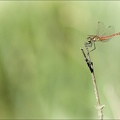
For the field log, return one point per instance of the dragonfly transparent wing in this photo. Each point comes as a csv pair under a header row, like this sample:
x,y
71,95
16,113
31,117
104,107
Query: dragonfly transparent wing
x,y
108,32
101,28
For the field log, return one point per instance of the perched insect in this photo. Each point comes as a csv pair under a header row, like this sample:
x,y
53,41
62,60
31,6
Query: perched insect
x,y
103,34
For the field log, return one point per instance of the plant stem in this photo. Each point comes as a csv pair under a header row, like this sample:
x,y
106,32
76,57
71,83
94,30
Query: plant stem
x,y
90,66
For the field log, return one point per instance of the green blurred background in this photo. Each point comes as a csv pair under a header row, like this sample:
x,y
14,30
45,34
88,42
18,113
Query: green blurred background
x,y
42,70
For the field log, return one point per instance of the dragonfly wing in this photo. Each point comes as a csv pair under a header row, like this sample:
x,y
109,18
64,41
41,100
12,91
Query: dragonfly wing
x,y
108,32
101,28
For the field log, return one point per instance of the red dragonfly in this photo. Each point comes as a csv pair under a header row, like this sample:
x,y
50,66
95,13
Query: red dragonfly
x,y
103,34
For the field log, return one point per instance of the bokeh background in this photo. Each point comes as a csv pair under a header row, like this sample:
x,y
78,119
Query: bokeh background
x,y
42,70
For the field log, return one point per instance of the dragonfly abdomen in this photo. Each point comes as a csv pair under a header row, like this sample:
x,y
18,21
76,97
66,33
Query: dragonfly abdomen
x,y
117,34
109,36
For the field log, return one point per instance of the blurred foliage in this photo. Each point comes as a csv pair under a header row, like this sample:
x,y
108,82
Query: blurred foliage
x,y
42,71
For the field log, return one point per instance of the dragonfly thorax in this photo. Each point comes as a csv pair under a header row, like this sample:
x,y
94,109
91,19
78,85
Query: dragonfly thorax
x,y
93,38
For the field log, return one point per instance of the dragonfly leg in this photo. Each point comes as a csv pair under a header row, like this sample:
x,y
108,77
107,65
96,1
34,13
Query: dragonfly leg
x,y
93,48
88,44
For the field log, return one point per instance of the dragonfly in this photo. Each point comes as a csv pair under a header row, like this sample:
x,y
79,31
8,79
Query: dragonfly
x,y
102,35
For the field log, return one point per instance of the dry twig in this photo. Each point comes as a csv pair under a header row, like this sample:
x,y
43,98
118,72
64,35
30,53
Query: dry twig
x,y
90,66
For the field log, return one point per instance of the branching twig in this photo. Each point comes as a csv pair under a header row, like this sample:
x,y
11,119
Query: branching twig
x,y
90,66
